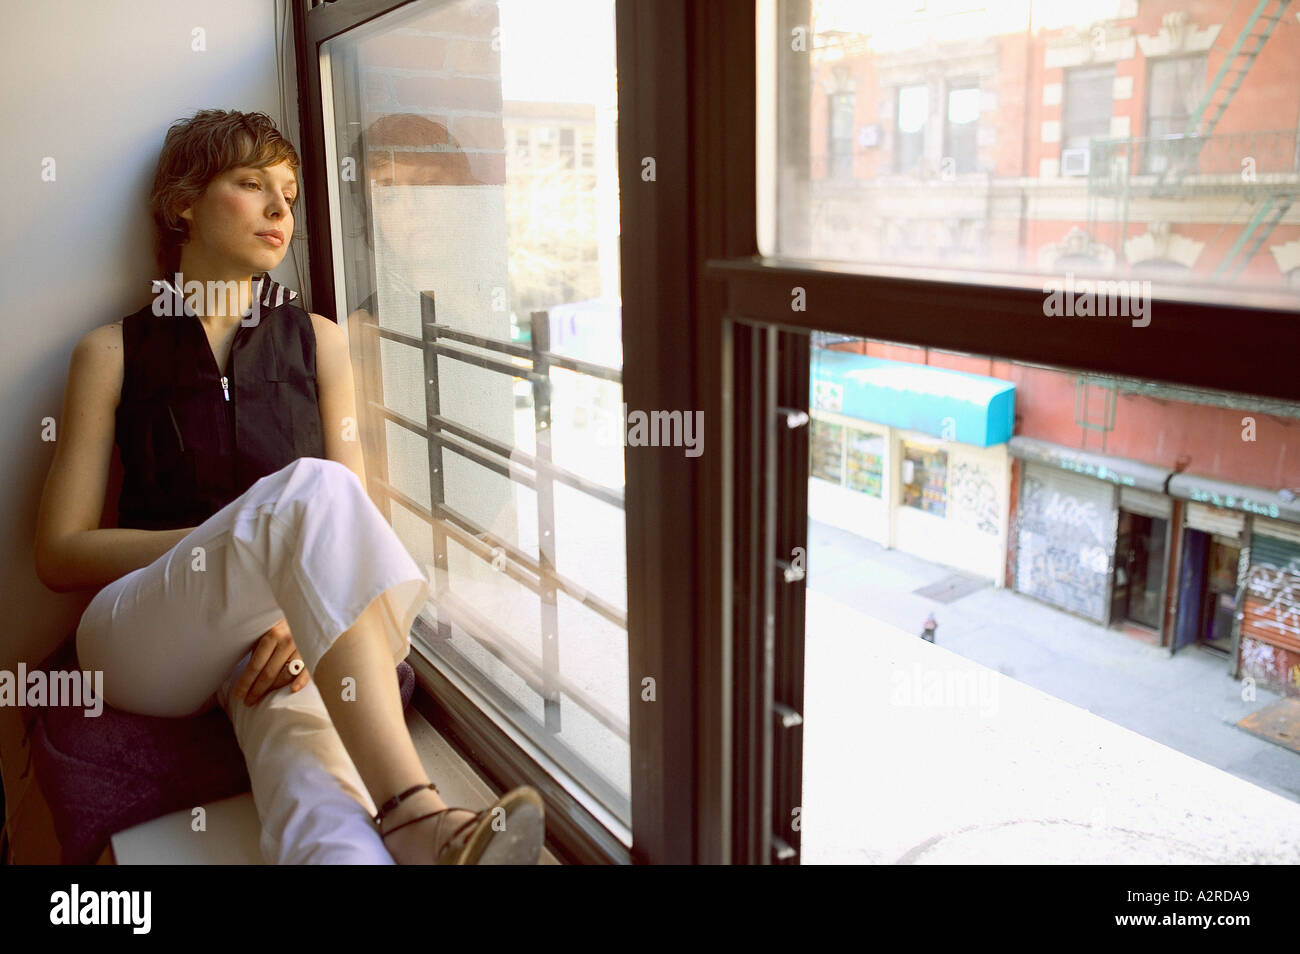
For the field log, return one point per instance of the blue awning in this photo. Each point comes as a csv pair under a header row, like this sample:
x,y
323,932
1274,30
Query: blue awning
x,y
952,405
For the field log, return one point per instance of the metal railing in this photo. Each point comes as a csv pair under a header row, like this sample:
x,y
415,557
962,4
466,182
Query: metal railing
x,y
1234,163
537,471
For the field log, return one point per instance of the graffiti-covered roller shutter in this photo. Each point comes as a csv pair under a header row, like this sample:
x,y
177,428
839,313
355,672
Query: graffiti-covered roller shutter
x,y
1272,611
1065,540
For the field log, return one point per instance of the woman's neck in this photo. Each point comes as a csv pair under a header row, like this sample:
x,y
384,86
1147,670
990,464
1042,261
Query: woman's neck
x,y
216,294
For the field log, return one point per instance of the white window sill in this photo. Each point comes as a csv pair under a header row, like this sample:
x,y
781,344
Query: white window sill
x,y
168,840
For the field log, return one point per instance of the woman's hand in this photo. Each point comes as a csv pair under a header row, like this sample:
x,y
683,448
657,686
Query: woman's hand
x,y
267,668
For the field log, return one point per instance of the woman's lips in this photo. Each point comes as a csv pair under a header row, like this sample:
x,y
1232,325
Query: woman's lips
x,y
273,239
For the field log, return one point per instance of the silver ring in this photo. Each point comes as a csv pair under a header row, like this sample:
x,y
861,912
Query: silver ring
x,y
296,666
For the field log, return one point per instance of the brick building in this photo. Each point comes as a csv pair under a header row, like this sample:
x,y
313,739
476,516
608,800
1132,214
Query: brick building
x,y
1137,139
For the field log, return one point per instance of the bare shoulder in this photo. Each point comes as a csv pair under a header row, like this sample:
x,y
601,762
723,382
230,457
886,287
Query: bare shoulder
x,y
332,362
98,359
328,334
104,338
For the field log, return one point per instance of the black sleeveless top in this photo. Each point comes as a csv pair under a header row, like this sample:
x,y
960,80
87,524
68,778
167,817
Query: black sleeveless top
x,y
191,443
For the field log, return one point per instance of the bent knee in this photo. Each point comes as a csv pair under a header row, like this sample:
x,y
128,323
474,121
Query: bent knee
x,y
325,469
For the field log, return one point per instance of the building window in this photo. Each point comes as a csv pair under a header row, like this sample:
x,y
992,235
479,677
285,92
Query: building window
x,y
566,148
521,143
840,129
826,451
1085,114
1174,90
959,149
925,478
544,144
864,462
913,109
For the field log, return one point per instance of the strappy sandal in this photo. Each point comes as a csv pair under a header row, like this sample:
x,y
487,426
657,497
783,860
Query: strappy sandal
x,y
478,841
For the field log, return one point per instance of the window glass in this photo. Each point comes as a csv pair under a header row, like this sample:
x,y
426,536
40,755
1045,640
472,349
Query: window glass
x,y
1054,138
864,462
479,277
1043,537
963,125
826,447
841,133
913,111
1087,108
925,478
1175,93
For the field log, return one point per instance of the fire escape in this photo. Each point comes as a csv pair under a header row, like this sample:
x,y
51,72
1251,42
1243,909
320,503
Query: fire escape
x,y
1200,163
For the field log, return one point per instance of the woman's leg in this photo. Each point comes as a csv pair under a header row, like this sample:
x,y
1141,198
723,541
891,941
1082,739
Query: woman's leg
x,y
305,544
313,806
386,760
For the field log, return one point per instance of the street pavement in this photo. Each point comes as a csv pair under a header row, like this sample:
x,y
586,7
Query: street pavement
x,y
1187,701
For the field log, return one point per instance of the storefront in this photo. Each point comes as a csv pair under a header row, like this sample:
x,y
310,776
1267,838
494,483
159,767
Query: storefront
x,y
1213,540
1143,542
1269,640
1092,534
1239,585
912,457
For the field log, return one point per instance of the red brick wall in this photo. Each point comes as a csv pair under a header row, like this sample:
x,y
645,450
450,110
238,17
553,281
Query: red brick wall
x,y
1268,100
1206,441
442,67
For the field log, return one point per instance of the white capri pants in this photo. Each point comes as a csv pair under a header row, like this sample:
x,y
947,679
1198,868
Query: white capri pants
x,y
305,544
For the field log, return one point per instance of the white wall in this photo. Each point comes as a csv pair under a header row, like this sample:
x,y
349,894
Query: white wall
x,y
94,86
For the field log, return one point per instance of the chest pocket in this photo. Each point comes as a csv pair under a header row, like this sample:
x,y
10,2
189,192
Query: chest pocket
x,y
279,420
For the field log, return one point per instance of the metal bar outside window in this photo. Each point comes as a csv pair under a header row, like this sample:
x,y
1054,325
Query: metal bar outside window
x,y
540,575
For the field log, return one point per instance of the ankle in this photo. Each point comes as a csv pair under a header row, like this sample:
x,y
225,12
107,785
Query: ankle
x,y
413,806
421,841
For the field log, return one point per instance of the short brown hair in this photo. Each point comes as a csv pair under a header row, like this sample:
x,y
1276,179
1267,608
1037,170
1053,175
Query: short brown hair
x,y
195,152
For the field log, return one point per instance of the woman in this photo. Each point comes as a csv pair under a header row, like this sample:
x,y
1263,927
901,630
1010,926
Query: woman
x,y
248,556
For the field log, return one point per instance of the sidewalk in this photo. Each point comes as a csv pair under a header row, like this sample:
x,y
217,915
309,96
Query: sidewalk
x,y
1188,701
915,755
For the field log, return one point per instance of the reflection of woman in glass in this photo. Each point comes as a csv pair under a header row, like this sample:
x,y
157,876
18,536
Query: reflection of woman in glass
x,y
400,149
244,513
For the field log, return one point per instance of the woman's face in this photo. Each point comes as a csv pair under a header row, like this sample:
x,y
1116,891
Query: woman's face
x,y
242,202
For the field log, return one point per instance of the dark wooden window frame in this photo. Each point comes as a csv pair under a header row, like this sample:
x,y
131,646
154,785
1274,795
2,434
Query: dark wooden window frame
x,y
662,489
715,612
1201,335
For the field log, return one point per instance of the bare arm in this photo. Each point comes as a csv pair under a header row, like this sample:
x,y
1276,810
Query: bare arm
x,y
71,552
337,397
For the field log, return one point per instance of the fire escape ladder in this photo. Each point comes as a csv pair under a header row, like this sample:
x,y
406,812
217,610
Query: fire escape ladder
x,y
1236,64
1256,232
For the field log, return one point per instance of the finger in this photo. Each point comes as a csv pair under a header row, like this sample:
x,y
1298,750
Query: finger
x,y
262,651
273,677
288,678
291,674
265,680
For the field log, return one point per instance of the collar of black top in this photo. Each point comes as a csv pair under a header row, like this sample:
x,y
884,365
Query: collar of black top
x,y
269,292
